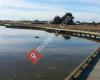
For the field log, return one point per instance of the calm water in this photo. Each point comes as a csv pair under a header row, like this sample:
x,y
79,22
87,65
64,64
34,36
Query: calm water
x,y
60,57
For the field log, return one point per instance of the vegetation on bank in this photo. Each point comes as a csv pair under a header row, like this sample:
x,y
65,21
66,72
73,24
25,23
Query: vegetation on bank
x,y
68,18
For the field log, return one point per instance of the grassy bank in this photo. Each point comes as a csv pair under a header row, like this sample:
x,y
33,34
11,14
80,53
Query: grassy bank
x,y
94,28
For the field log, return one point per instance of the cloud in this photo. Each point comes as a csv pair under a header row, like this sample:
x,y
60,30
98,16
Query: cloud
x,y
47,9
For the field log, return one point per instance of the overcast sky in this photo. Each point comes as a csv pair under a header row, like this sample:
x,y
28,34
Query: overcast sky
x,y
84,10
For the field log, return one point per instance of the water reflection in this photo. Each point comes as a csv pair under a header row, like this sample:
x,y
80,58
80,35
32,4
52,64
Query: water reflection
x,y
67,37
61,57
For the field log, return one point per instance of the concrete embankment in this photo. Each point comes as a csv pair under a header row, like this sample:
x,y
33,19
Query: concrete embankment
x,y
80,73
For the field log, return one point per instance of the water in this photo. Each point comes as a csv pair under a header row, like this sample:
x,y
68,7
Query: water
x,y
62,55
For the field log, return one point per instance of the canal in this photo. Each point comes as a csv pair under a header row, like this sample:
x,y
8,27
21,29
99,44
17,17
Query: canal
x,y
62,55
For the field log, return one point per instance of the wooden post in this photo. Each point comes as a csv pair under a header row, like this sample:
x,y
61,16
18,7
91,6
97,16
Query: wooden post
x,y
95,36
90,35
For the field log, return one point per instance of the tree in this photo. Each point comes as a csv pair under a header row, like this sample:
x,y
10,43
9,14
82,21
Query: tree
x,y
68,18
57,20
78,22
94,23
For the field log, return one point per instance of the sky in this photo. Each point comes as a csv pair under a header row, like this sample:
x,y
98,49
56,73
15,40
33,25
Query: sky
x,y
83,10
